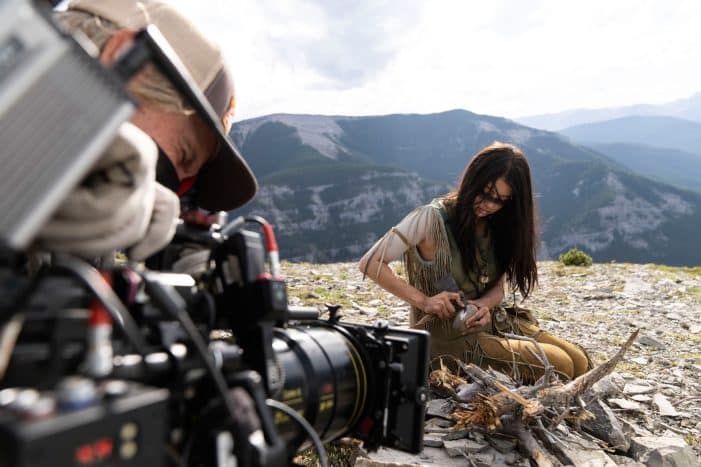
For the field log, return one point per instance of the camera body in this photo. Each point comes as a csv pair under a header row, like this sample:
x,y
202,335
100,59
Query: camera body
x,y
59,407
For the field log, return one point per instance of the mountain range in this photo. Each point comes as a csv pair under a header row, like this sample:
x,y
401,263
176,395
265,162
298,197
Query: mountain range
x,y
332,185
688,108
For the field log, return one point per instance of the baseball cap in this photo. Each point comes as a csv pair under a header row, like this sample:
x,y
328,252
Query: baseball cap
x,y
225,181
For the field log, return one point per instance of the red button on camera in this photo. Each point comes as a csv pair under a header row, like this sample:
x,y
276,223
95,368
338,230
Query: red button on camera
x,y
85,454
103,448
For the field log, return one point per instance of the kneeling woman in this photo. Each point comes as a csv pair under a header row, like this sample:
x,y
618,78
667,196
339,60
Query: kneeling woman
x,y
479,236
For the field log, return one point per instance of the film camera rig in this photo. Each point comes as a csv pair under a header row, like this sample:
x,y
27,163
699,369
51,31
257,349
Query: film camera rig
x,y
132,366
72,388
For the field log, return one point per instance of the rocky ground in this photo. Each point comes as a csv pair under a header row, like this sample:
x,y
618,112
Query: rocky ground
x,y
597,306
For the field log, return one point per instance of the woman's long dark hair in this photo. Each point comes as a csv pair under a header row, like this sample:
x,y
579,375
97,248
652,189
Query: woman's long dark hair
x,y
512,228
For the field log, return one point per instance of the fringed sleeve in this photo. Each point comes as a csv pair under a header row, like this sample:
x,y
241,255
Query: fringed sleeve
x,y
424,222
424,274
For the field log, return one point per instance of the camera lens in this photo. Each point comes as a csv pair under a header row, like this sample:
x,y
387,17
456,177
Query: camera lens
x,y
324,378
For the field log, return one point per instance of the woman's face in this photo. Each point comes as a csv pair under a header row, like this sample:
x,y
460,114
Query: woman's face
x,y
493,198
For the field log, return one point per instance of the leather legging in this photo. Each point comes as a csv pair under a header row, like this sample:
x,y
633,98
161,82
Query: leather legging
x,y
519,359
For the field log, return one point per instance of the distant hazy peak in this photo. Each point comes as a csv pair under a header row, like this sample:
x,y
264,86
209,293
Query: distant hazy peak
x,y
650,119
687,108
652,130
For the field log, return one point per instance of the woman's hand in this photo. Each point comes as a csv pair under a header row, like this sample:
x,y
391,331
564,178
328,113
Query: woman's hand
x,y
480,319
443,305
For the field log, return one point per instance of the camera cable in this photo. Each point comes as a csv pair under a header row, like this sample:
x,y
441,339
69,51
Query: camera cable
x,y
302,422
92,279
271,248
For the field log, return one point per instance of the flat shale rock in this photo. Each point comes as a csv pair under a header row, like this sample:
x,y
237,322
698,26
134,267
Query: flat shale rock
x,y
453,435
491,457
635,389
672,456
609,385
581,452
459,447
606,426
502,444
651,341
581,457
665,408
439,408
623,461
433,441
385,457
662,451
626,404
640,360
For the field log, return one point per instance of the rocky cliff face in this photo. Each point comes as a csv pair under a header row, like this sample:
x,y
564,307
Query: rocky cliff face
x,y
627,219
332,222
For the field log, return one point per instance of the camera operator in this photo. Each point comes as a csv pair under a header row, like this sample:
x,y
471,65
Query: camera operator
x,y
189,153
115,209
198,359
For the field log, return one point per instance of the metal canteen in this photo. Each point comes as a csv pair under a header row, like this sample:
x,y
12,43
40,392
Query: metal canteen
x,y
462,315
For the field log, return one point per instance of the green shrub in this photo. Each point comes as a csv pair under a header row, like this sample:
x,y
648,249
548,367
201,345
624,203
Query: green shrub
x,y
575,257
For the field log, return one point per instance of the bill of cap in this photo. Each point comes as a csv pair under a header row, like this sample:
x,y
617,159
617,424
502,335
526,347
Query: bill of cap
x,y
217,188
225,181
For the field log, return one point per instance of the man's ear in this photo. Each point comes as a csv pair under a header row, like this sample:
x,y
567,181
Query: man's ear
x,y
116,45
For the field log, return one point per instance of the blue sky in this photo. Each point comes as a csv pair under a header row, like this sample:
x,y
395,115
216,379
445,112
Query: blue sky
x,y
507,58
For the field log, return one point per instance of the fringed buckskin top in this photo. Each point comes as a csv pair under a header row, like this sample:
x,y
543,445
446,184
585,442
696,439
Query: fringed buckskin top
x,y
432,222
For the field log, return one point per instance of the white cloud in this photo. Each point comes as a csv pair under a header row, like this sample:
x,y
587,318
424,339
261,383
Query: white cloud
x,y
504,57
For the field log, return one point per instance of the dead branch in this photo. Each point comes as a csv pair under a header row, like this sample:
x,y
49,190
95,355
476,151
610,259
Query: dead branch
x,y
560,396
488,380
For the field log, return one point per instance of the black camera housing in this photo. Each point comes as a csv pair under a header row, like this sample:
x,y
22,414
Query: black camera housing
x,y
345,379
